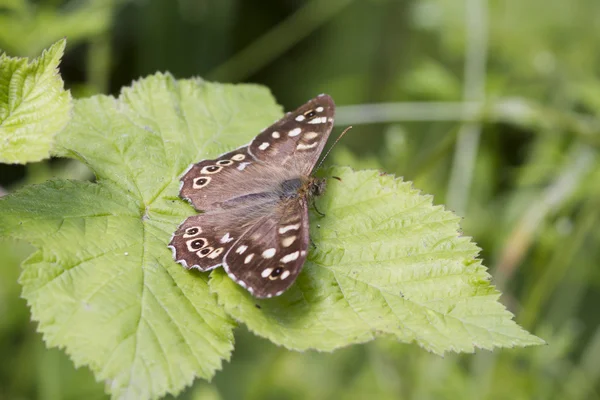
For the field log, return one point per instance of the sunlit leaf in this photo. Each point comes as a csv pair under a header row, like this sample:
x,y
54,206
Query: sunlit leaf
x,y
34,106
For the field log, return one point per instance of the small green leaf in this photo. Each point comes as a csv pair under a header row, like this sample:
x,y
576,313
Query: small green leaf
x,y
34,106
384,261
103,285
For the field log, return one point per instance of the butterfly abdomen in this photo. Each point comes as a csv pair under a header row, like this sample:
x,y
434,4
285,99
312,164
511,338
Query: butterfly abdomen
x,y
290,188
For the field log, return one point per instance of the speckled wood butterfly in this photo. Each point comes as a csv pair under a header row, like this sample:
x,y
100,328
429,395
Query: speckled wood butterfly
x,y
255,203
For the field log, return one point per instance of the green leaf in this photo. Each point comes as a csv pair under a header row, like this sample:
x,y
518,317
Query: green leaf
x,y
103,285
34,106
385,261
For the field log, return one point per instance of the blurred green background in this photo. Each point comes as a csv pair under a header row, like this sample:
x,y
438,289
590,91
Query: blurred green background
x,y
493,107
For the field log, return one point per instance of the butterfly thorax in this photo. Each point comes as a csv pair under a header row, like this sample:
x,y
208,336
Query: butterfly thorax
x,y
302,188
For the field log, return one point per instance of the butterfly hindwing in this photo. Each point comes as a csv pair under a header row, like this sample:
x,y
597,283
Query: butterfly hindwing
x,y
296,141
269,256
202,240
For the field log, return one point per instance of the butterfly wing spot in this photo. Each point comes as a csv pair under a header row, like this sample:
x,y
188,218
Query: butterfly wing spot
x,y
319,120
320,109
264,146
290,257
226,238
266,272
310,114
243,166
310,135
215,253
269,253
285,275
303,146
248,258
204,252
287,242
224,162
294,132
300,118
241,249
192,231
196,244
238,157
275,135
276,272
210,169
199,183
284,229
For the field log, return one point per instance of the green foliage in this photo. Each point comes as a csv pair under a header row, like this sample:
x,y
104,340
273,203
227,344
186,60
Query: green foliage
x,y
26,28
33,105
104,286
386,262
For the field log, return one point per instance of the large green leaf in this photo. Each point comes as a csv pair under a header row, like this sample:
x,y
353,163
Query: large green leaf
x,y
33,105
103,284
385,261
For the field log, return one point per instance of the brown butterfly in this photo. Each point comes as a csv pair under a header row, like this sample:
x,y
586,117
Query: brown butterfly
x,y
255,203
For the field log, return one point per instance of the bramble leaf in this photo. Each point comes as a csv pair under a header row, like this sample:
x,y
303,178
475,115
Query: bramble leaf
x,y
103,285
385,261
34,106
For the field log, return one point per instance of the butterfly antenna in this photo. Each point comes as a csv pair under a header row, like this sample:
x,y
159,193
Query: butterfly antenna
x,y
332,146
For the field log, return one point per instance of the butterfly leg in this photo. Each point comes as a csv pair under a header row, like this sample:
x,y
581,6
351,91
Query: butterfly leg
x,y
317,210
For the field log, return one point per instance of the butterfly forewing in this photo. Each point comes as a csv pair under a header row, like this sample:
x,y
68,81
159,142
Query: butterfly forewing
x,y
255,203
296,141
269,256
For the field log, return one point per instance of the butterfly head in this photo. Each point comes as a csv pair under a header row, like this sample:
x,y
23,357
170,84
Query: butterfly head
x,y
316,186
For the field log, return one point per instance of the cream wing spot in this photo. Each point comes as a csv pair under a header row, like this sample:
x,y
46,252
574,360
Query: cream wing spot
x,y
243,166
285,275
192,231
284,229
211,169
248,258
266,272
238,157
204,252
310,135
224,162
275,135
303,146
300,118
196,244
290,257
269,253
264,145
200,182
215,253
287,242
241,249
226,238
318,120
276,272
294,132
320,109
